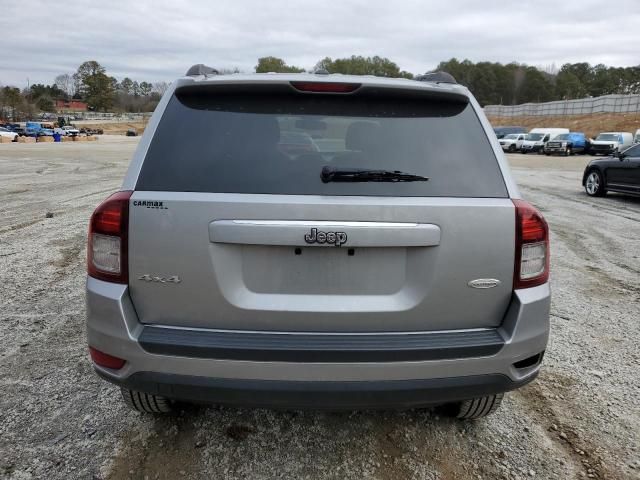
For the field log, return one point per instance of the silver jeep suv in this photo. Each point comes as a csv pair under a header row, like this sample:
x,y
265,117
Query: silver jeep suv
x,y
318,241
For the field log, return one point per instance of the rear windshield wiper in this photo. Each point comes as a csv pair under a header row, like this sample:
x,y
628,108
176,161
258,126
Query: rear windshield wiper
x,y
331,174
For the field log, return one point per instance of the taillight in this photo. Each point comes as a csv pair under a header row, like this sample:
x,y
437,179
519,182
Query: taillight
x,y
108,239
105,360
532,247
325,87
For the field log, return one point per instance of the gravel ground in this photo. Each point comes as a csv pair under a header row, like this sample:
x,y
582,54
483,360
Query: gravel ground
x,y
581,418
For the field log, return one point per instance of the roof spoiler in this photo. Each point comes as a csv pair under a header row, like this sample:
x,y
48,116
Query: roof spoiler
x,y
437,77
201,69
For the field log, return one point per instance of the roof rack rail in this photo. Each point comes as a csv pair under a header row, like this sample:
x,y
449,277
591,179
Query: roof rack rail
x,y
436,77
201,69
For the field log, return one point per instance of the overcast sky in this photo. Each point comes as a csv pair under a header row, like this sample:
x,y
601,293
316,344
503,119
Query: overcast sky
x,y
158,40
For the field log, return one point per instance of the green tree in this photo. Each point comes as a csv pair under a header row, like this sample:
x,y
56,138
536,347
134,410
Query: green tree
x,y
145,89
569,86
484,83
535,87
359,65
126,85
275,64
12,99
43,96
96,87
605,81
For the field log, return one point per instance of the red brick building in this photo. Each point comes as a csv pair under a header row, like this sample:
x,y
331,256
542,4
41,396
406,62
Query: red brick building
x,y
70,106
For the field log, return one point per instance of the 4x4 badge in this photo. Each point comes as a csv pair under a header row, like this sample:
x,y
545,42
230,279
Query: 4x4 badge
x,y
335,238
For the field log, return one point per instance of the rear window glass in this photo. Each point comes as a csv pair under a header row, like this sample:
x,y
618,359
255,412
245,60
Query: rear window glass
x,y
279,143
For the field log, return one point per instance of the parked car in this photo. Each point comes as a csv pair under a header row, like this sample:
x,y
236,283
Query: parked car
x,y
71,131
512,142
607,143
14,127
567,144
32,129
617,173
502,132
91,131
538,137
636,138
6,133
38,129
227,271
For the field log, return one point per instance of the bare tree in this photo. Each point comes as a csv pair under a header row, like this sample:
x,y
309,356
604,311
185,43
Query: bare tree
x,y
65,83
160,87
228,71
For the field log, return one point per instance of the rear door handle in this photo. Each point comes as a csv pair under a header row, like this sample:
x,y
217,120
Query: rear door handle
x,y
324,233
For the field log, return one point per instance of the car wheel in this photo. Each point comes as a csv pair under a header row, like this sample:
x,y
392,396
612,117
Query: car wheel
x,y
547,154
568,152
512,148
524,152
146,402
594,186
476,407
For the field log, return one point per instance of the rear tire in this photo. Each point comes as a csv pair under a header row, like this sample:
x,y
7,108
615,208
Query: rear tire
x,y
512,148
146,402
476,407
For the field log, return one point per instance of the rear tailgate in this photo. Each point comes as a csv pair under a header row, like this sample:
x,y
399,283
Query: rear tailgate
x,y
228,231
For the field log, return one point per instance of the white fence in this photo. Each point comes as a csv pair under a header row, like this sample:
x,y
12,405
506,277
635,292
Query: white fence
x,y
582,106
91,116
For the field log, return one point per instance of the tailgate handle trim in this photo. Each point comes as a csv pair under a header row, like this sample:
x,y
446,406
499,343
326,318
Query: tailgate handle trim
x,y
292,233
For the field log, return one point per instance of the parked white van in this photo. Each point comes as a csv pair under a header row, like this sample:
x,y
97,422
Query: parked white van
x,y
538,137
607,143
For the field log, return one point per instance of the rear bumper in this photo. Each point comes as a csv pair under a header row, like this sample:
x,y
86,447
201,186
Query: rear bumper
x,y
318,395
209,371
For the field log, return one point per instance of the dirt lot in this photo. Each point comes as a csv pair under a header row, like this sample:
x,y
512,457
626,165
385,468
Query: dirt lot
x,y
113,128
581,418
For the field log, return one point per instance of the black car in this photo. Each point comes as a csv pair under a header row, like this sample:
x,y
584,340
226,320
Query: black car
x,y
618,173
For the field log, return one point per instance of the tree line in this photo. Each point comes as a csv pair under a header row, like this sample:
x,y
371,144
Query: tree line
x,y
90,83
491,83
513,84
494,83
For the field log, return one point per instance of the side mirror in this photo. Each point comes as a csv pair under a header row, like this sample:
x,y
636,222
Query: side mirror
x,y
620,155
